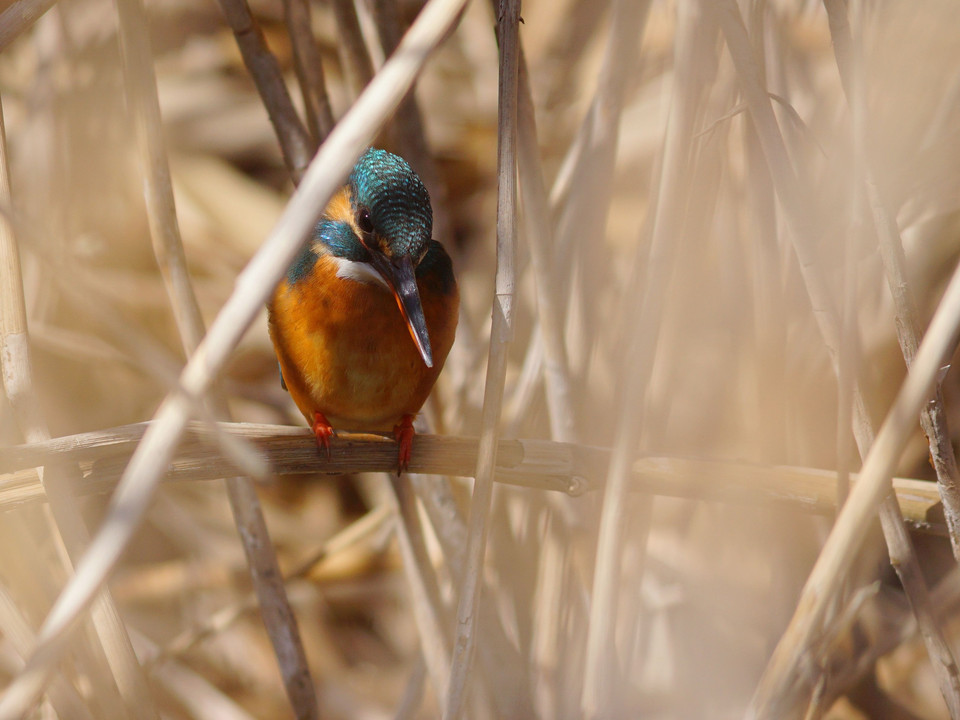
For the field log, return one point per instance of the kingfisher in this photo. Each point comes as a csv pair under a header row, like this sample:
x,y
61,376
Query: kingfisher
x,y
367,312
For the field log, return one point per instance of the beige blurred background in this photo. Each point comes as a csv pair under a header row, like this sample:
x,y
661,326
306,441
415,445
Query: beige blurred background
x,y
740,372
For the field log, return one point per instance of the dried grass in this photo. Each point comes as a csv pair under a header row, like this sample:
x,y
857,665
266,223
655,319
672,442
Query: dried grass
x,y
728,215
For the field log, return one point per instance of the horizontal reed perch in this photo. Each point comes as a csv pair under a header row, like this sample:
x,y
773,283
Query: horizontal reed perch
x,y
563,467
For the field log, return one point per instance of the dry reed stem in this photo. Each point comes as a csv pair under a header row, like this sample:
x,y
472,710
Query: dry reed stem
x,y
201,698
848,358
14,340
140,86
296,144
583,18
413,694
149,355
536,464
275,608
905,563
502,664
436,496
35,579
352,47
933,416
943,599
135,490
218,621
524,392
111,632
141,92
643,335
789,191
20,16
16,630
848,532
501,335
309,68
540,240
574,35
584,214
429,612
66,522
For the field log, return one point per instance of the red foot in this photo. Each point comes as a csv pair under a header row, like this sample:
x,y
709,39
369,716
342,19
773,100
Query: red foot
x,y
403,431
323,431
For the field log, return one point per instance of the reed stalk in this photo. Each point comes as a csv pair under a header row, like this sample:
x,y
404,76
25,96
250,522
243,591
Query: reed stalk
x,y
501,335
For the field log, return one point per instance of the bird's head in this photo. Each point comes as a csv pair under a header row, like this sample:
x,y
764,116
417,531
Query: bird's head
x,y
384,234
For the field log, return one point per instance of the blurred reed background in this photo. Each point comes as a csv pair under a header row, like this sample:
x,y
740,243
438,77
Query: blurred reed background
x,y
683,412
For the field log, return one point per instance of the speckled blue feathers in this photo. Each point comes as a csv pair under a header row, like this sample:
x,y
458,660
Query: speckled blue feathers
x,y
338,236
398,202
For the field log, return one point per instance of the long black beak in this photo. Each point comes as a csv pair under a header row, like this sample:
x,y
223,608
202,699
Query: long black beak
x,y
399,272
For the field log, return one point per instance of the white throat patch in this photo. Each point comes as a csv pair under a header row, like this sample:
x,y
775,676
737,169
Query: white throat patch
x,y
359,272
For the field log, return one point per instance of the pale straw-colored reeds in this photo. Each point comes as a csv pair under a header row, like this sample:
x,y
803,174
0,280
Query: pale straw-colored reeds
x,y
698,243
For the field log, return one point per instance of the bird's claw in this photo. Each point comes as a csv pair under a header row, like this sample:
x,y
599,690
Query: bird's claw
x,y
323,431
403,431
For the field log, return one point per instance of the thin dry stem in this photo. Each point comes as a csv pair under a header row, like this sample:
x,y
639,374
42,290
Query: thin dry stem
x,y
501,334
295,142
428,609
667,221
500,661
200,696
535,464
524,392
65,700
66,522
790,193
540,240
848,532
413,695
933,416
309,67
222,619
141,90
584,214
352,46
149,355
19,17
35,580
275,608
583,19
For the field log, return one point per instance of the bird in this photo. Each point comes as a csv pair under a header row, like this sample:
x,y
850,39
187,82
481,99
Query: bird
x,y
366,314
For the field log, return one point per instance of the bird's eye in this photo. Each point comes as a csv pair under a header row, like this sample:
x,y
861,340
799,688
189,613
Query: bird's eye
x,y
364,222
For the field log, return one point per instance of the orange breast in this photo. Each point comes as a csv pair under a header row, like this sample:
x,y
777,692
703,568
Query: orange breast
x,y
345,350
